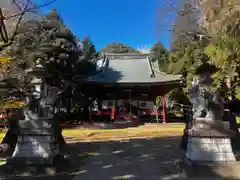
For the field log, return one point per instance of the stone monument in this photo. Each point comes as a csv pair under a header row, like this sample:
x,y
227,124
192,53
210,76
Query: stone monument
x,y
209,137
37,138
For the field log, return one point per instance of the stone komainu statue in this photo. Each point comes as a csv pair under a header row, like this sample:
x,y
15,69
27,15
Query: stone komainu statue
x,y
206,104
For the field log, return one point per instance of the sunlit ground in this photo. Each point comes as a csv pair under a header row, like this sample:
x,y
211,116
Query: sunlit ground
x,y
145,131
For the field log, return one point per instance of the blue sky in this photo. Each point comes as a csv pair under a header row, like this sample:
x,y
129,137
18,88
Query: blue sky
x,y
132,22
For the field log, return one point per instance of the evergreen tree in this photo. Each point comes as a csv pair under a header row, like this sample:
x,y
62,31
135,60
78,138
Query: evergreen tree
x,y
47,43
89,49
160,54
119,48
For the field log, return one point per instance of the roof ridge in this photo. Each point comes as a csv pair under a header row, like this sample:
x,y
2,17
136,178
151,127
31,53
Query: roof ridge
x,y
129,54
152,73
126,56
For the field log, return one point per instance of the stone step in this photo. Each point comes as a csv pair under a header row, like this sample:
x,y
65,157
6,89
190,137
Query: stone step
x,y
220,133
36,131
36,146
37,139
210,124
40,123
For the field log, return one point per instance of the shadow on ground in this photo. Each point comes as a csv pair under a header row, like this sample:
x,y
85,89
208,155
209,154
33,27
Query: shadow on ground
x,y
139,159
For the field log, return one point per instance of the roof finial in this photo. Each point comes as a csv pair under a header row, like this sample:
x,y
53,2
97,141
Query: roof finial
x,y
86,38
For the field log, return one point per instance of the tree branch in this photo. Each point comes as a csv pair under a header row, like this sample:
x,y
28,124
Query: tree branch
x,y
20,18
3,30
19,7
5,45
30,9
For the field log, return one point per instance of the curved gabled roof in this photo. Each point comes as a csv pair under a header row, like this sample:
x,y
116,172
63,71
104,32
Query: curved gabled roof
x,y
132,69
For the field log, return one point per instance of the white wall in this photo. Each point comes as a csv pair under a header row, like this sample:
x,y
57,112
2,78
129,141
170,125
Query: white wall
x,y
149,104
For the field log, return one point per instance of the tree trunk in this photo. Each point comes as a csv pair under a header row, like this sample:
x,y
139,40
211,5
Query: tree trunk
x,y
232,88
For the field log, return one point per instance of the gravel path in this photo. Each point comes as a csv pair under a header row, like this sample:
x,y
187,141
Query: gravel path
x,y
145,159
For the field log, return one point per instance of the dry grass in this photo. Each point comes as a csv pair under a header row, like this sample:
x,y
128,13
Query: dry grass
x,y
12,104
146,131
2,134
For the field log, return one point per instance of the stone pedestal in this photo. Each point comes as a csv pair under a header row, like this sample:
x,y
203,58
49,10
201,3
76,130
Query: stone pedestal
x,y
36,144
209,141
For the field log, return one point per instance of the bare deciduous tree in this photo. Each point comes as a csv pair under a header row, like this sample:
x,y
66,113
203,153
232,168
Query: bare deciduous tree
x,y
12,13
180,17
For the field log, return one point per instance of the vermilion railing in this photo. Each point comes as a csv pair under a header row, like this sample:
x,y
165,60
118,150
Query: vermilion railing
x,y
3,116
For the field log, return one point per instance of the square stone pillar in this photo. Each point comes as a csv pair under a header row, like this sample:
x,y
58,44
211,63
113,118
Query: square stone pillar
x,y
36,144
209,141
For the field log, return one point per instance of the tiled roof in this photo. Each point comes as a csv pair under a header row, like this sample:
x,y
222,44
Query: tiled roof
x,y
131,68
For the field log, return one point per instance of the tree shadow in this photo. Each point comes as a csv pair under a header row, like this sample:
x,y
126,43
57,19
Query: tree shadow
x,y
138,159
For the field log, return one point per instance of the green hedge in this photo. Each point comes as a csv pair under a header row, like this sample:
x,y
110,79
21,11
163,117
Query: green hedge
x,y
238,119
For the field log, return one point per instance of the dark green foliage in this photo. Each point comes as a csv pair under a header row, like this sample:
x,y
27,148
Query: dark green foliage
x,y
184,59
48,43
160,54
89,49
119,48
178,96
205,68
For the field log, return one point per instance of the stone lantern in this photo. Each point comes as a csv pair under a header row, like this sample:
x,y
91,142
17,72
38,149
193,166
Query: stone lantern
x,y
37,139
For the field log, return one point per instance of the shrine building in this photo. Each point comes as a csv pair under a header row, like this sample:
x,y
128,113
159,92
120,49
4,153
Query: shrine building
x,y
128,85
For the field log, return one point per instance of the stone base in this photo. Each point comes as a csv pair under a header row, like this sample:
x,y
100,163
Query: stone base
x,y
209,149
209,141
209,153
35,150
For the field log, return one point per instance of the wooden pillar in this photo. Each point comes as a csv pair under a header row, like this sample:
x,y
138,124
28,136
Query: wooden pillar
x,y
90,113
138,113
156,109
113,111
130,105
116,108
164,109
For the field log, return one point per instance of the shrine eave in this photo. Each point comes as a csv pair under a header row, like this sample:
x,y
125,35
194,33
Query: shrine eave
x,y
176,82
